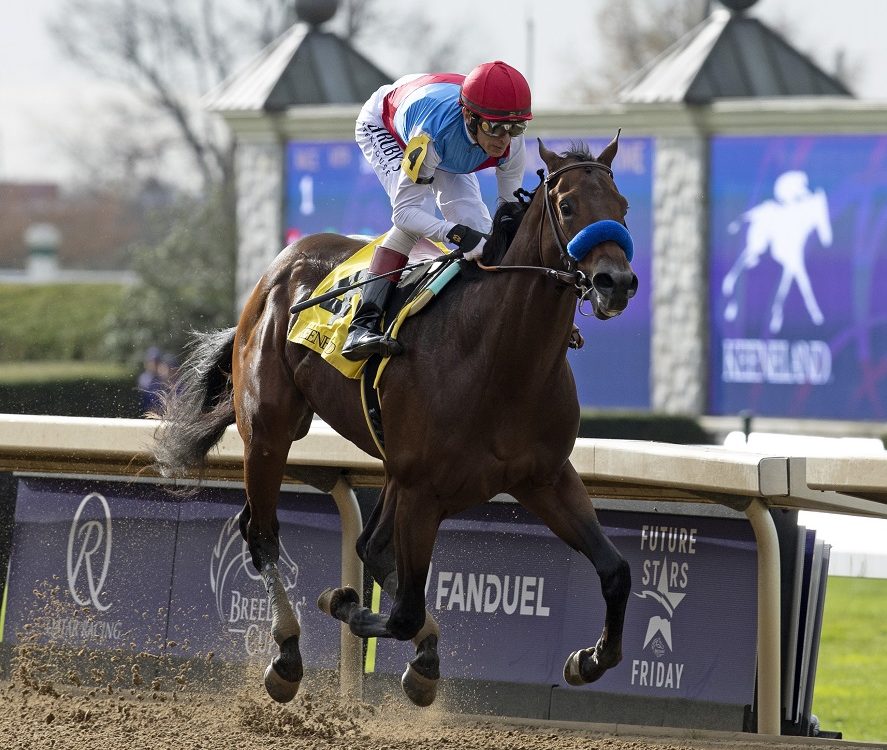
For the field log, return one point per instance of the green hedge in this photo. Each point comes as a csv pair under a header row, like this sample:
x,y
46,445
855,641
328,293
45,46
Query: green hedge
x,y
661,428
73,389
56,321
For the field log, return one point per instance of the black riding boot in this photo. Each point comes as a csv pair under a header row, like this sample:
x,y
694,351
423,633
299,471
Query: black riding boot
x,y
365,332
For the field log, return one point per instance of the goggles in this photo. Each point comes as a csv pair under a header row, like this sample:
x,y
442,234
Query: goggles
x,y
497,128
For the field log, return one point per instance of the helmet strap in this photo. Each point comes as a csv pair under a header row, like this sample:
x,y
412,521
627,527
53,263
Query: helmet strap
x,y
472,122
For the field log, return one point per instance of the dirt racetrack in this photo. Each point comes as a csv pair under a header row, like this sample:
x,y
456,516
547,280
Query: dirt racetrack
x,y
70,701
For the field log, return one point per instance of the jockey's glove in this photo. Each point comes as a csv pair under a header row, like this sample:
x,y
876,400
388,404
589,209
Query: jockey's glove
x,y
469,241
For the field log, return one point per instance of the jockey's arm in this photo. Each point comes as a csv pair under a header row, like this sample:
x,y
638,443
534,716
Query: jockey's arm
x,y
408,204
510,173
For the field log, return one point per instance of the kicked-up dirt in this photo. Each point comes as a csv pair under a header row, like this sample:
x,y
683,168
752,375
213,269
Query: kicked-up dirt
x,y
69,701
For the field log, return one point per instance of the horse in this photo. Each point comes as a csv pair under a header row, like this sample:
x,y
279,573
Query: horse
x,y
482,401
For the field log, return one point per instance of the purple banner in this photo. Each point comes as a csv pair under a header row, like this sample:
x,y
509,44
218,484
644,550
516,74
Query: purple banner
x,y
331,188
82,554
109,564
513,602
798,253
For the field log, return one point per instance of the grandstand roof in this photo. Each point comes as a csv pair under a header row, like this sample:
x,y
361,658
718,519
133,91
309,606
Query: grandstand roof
x,y
729,55
304,66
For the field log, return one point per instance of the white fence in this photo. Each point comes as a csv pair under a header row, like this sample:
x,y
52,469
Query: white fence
x,y
858,565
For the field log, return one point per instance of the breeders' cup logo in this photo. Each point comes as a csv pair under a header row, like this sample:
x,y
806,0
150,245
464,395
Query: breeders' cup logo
x,y
659,628
89,552
240,597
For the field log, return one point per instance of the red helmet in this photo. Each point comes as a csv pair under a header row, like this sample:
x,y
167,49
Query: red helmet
x,y
496,91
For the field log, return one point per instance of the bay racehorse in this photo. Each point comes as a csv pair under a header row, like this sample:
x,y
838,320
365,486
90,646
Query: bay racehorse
x,y
482,401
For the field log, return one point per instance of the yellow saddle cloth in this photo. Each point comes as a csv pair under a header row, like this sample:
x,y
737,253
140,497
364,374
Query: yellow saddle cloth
x,y
324,327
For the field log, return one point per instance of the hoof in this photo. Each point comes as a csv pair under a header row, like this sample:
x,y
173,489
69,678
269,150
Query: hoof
x,y
589,665
331,599
281,690
323,601
419,689
572,675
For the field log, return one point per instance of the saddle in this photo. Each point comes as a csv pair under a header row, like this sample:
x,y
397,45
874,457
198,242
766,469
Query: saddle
x,y
324,327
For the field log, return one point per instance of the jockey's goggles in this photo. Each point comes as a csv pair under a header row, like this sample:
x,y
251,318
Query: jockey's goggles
x,y
499,128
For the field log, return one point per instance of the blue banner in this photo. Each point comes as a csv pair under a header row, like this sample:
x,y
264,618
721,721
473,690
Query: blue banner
x,y
798,252
331,188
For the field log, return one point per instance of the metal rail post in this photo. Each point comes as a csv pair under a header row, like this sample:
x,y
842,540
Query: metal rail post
x,y
769,661
351,647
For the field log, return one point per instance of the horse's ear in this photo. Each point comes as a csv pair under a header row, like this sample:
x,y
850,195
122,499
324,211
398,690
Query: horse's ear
x,y
549,157
609,153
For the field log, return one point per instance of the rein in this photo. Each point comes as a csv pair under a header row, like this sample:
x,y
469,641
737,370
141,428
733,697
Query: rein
x,y
572,276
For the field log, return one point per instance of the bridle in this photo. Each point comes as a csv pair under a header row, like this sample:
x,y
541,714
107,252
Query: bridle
x,y
572,276
547,183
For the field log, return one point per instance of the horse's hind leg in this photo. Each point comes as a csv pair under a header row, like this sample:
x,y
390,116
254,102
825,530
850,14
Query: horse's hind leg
x,y
263,473
567,510
268,426
376,548
243,521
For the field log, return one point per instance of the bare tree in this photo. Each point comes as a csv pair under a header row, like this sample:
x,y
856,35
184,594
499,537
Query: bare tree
x,y
359,17
634,32
165,54
423,43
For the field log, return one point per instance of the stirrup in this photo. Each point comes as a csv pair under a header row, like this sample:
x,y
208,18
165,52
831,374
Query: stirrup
x,y
365,343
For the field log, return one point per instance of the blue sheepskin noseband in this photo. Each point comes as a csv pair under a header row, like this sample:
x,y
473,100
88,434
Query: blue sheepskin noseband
x,y
601,231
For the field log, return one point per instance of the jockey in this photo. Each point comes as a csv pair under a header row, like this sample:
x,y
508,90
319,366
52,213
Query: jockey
x,y
425,136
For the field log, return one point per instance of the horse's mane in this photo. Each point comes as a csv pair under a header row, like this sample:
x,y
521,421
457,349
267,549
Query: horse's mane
x,y
506,221
579,151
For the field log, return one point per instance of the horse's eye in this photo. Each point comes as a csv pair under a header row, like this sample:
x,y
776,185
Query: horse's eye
x,y
566,211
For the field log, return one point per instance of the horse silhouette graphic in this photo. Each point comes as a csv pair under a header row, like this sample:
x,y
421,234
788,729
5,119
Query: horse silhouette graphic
x,y
783,226
231,559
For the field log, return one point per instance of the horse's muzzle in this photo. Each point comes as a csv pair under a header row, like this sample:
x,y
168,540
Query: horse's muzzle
x,y
611,292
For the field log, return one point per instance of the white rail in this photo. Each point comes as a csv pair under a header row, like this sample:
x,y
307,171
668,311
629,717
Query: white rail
x,y
750,482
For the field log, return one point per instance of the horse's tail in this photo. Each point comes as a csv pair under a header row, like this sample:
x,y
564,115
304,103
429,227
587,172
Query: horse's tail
x,y
197,407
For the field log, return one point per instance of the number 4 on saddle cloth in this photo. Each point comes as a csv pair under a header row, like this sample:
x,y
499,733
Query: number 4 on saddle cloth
x,y
324,326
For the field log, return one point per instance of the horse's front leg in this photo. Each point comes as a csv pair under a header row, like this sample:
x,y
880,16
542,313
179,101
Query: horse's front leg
x,y
414,535
567,510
